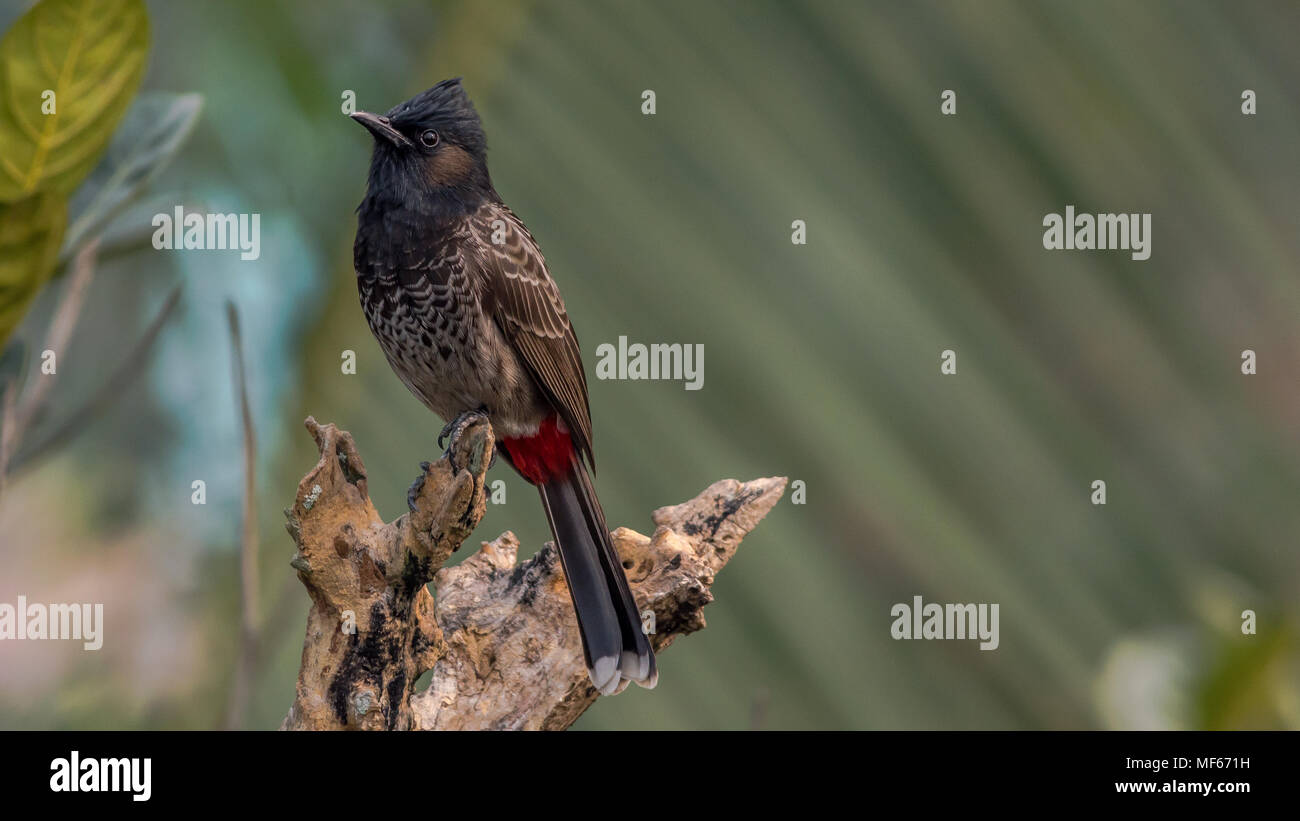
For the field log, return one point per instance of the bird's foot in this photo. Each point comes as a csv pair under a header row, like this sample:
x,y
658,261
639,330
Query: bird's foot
x,y
452,429
450,432
413,492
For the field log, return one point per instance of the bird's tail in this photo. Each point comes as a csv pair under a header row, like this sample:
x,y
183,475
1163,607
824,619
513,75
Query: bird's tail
x,y
613,643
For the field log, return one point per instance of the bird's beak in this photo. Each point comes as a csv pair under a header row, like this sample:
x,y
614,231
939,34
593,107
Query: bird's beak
x,y
380,127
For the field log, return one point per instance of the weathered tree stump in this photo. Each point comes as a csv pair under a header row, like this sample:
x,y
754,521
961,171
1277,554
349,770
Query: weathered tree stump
x,y
500,636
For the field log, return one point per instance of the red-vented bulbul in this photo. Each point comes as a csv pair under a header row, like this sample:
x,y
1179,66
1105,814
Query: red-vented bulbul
x,y
457,293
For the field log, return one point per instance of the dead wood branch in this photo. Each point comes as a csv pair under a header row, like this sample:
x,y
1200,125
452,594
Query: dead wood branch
x,y
499,635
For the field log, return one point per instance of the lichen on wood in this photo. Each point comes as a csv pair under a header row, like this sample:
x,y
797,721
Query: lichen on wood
x,y
499,635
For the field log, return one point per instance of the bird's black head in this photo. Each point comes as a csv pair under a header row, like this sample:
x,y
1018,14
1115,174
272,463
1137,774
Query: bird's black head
x,y
429,149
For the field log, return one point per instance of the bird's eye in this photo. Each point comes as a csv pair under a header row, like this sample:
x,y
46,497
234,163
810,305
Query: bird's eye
x,y
429,138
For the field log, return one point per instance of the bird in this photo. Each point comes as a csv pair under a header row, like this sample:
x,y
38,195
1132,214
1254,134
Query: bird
x,y
457,293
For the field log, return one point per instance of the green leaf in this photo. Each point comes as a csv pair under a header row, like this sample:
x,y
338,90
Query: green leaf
x,y
91,55
30,233
1235,693
149,137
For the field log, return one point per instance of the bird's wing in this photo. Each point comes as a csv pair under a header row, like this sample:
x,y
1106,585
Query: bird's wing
x,y
528,308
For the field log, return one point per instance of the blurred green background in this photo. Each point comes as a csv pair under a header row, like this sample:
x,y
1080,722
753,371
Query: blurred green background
x,y
822,360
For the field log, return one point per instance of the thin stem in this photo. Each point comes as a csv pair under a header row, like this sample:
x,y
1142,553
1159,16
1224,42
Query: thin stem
x,y
248,654
20,415
125,373
8,401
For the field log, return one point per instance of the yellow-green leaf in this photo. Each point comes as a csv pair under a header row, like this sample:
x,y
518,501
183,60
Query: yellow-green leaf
x,y
30,233
68,71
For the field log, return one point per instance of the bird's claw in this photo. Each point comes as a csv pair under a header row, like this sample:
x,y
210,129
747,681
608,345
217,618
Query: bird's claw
x,y
446,432
451,432
414,490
